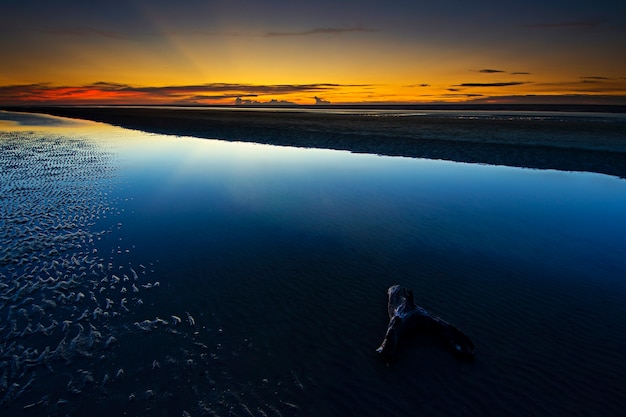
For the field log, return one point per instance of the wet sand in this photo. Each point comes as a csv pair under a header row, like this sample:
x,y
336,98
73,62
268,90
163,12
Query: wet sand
x,y
574,145
143,279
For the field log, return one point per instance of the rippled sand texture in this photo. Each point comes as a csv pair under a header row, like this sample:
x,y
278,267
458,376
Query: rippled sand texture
x,y
59,296
81,331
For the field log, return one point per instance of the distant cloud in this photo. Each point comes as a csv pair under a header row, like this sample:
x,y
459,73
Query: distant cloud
x,y
109,86
591,87
219,97
321,31
108,92
586,85
580,99
228,87
320,101
490,71
576,24
463,95
82,31
22,90
503,84
272,102
497,71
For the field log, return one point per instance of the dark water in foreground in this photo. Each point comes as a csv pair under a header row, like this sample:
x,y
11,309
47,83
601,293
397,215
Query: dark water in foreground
x,y
156,275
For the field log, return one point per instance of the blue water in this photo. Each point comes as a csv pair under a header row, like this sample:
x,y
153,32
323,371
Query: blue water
x,y
277,260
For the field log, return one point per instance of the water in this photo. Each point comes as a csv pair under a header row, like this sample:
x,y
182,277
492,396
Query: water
x,y
159,275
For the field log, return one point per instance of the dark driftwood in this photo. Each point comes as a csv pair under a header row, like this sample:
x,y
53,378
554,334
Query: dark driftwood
x,y
405,316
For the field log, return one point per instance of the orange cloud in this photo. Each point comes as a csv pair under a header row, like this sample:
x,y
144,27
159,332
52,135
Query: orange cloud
x,y
113,93
597,88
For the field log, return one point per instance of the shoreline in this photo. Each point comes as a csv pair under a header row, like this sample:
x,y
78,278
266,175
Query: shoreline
x,y
542,144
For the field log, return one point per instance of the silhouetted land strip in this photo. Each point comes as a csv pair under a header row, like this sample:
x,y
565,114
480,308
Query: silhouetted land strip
x,y
574,145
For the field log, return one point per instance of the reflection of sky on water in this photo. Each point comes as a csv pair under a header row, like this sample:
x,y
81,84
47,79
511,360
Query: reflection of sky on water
x,y
489,209
469,207
250,239
27,121
508,212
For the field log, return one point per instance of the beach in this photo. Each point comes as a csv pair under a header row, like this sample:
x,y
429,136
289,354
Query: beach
x,y
540,140
146,274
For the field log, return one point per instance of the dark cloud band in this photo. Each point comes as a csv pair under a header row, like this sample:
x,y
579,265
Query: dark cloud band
x,y
504,84
490,71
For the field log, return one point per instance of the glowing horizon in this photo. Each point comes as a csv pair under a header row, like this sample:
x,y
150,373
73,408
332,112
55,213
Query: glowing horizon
x,y
102,93
131,52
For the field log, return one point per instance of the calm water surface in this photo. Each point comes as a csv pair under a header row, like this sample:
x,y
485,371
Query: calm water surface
x,y
159,275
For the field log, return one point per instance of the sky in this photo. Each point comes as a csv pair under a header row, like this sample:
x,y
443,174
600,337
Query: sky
x,y
290,51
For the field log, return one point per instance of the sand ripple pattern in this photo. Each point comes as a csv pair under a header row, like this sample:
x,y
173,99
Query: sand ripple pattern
x,y
59,296
80,333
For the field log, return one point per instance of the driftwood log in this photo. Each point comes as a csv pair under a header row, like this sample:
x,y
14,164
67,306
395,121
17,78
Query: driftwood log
x,y
405,317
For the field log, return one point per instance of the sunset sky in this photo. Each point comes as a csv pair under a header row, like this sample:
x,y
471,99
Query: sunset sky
x,y
211,52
